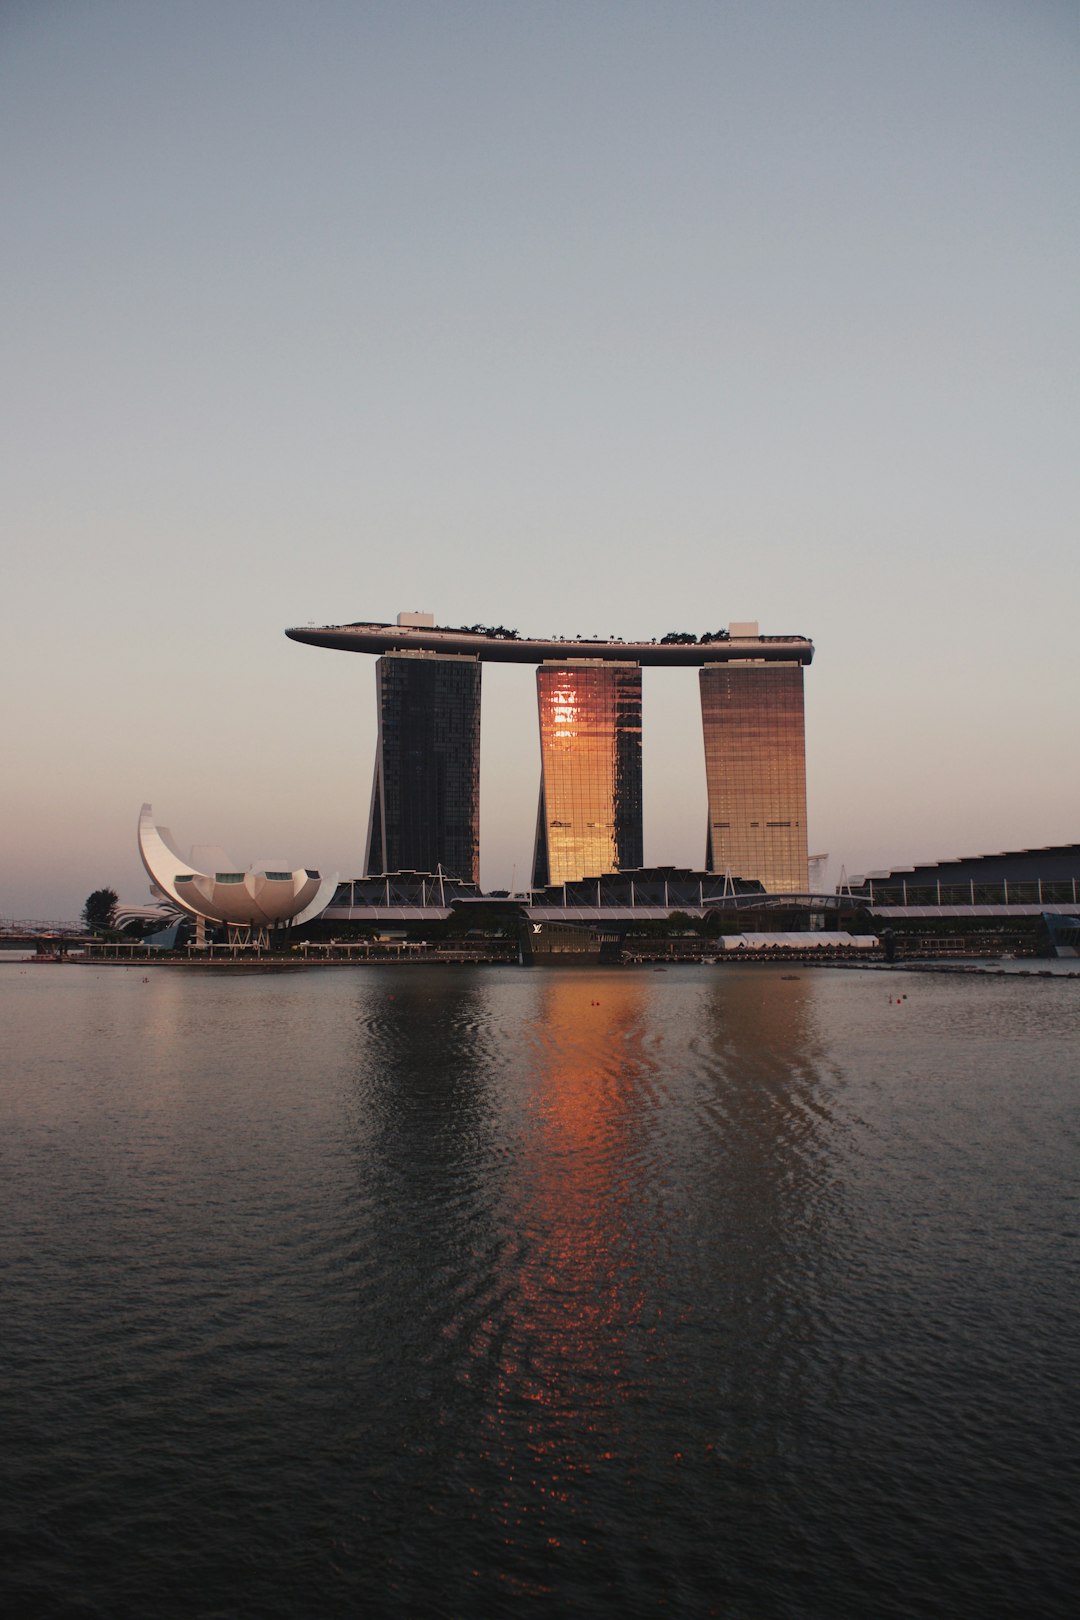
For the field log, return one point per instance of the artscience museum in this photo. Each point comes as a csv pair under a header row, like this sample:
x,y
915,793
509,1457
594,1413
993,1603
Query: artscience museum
x,y
249,904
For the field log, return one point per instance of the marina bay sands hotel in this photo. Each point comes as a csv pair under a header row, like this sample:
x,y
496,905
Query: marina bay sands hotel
x,y
425,799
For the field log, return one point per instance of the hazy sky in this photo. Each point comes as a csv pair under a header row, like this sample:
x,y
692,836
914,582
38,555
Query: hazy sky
x,y
583,317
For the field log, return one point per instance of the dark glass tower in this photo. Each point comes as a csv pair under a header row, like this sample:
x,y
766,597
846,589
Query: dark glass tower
x,y
589,820
425,798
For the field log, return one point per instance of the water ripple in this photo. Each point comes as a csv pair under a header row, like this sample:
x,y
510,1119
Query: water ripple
x,y
412,1293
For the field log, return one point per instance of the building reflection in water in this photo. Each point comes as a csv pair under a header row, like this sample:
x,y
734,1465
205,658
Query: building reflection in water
x,y
765,1174
580,1290
669,1199
598,1201
570,1365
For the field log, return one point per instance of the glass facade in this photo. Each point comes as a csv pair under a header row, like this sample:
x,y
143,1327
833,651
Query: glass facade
x,y
755,768
589,820
401,891
425,799
648,887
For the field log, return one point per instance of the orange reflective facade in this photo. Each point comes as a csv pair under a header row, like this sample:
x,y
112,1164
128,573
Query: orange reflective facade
x,y
755,767
589,820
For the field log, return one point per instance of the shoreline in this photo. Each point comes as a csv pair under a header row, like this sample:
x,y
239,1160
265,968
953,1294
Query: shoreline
x,y
989,967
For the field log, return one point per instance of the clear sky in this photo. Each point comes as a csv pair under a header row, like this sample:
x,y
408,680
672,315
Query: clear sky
x,y
583,317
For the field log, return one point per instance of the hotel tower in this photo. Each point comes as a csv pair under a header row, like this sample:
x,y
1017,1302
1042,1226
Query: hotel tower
x,y
425,798
755,771
589,820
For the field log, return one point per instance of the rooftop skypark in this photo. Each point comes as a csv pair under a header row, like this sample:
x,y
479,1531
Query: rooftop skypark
x,y
500,645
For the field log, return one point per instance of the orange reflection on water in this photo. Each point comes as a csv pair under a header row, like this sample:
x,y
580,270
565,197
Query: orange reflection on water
x,y
576,1329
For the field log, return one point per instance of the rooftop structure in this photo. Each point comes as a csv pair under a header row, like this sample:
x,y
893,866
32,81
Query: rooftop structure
x,y
1022,881
1051,863
501,646
646,894
398,897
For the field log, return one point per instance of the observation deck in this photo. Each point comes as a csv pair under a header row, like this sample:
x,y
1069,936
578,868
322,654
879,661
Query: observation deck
x,y
500,647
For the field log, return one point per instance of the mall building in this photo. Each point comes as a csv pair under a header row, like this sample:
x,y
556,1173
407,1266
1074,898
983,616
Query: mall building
x,y
1009,884
425,803
1026,900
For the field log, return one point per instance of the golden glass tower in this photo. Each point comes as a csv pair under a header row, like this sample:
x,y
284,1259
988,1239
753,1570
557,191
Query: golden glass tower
x,y
589,821
755,769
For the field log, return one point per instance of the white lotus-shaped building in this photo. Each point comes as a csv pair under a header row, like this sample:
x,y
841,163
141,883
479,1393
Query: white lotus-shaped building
x,y
241,900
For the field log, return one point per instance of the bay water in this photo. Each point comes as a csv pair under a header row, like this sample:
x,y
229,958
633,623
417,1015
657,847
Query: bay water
x,y
469,1292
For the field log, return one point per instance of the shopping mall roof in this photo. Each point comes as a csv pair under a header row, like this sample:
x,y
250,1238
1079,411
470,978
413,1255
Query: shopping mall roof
x,y
1048,860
